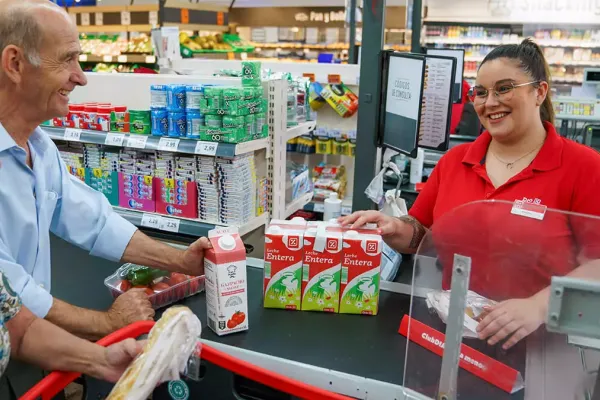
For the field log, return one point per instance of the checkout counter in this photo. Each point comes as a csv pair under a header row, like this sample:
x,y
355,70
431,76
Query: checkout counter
x,y
358,356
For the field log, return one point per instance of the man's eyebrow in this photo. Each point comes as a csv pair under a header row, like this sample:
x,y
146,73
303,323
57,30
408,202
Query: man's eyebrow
x,y
71,54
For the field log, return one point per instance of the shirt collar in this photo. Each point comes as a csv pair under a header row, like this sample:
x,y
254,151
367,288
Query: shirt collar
x,y
37,139
548,158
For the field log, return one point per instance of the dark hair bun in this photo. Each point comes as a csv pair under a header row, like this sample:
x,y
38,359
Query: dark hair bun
x,y
529,44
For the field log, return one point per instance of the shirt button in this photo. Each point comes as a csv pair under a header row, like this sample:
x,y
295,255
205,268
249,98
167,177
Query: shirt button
x,y
42,286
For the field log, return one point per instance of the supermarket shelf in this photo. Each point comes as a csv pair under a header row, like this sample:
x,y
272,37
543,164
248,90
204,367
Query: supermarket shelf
x,y
301,129
480,41
320,207
199,27
567,43
298,204
473,75
122,59
114,28
185,146
184,226
590,63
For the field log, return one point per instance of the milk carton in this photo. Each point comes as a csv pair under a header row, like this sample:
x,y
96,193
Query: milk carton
x,y
283,264
322,267
226,284
360,272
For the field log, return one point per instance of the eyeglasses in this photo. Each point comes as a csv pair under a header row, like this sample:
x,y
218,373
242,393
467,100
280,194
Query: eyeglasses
x,y
503,92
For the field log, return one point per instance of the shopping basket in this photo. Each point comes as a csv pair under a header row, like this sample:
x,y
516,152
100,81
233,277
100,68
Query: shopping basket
x,y
55,382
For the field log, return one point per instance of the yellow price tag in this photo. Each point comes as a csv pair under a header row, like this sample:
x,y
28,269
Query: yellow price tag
x,y
170,183
81,172
148,180
97,172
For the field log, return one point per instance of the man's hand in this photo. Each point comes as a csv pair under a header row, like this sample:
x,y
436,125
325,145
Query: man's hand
x,y
116,359
129,307
517,317
386,224
192,261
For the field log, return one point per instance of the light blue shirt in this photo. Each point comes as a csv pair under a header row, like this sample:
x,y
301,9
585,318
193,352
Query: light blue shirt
x,y
47,199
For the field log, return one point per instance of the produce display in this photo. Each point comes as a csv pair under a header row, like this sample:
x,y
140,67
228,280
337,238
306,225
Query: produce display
x,y
217,43
114,45
162,288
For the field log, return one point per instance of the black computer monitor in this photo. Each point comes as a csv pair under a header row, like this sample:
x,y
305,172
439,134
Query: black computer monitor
x,y
459,55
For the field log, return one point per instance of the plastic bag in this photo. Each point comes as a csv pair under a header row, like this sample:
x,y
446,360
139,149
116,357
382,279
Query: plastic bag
x,y
440,302
375,189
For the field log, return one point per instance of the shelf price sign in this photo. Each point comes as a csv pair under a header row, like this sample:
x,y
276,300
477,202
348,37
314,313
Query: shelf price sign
x,y
206,148
169,224
168,144
114,139
85,19
72,134
99,18
151,221
125,18
137,141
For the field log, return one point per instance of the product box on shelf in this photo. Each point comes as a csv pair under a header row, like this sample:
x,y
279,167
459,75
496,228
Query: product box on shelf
x,y
176,197
163,288
341,99
136,192
106,182
361,272
226,282
321,267
78,172
284,253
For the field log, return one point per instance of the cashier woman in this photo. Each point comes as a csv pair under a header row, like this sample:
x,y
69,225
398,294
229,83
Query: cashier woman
x,y
39,68
519,156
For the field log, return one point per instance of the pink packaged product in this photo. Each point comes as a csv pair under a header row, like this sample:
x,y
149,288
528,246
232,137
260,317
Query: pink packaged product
x,y
176,197
136,192
226,282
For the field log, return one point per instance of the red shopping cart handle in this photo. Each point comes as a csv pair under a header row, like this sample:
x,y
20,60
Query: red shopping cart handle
x,y
48,387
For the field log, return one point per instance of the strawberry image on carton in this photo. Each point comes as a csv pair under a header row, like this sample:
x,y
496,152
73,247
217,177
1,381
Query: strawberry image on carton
x,y
284,252
322,267
360,272
226,284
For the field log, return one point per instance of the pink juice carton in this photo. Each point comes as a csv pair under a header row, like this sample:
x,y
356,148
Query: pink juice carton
x,y
322,267
226,284
284,252
361,271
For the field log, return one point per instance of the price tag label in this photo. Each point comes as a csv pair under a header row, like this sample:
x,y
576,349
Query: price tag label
x,y
150,59
114,139
346,210
83,57
309,76
72,134
168,144
206,148
220,18
137,141
125,18
148,180
185,16
169,224
107,59
170,183
85,19
151,221
319,207
334,79
99,18
122,59
153,18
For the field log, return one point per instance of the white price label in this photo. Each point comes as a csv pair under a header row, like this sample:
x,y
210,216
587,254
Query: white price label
x,y
319,207
72,134
122,59
167,144
151,221
153,18
137,141
346,210
206,148
169,224
107,59
83,57
85,19
150,59
125,18
99,18
114,139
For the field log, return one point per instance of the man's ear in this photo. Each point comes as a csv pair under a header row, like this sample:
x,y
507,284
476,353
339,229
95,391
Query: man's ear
x,y
542,92
13,63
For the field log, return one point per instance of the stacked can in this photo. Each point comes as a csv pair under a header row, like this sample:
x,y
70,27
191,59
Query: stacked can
x,y
237,189
208,197
195,119
159,113
176,107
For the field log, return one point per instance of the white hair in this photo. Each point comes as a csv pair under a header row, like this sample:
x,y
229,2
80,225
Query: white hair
x,y
20,27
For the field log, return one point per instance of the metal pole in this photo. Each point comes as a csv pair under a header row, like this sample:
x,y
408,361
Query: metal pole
x,y
353,51
369,101
416,25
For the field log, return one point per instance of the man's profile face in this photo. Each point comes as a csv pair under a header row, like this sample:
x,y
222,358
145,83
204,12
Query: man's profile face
x,y
47,86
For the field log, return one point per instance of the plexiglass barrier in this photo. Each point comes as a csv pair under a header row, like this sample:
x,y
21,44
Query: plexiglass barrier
x,y
500,258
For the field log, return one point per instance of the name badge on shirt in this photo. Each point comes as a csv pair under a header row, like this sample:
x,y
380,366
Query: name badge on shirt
x,y
529,210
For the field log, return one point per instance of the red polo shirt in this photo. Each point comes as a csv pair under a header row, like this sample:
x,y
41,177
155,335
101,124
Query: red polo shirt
x,y
514,256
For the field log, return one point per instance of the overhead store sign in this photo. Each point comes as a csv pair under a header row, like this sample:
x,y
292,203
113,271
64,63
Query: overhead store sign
x,y
327,17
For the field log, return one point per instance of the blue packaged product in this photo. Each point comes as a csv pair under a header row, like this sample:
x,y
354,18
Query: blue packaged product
x,y
160,122
194,121
177,124
158,97
176,98
193,95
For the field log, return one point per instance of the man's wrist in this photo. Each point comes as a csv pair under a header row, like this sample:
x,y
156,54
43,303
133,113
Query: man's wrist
x,y
98,368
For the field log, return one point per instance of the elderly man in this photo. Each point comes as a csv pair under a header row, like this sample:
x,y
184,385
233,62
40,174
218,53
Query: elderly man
x,y
39,68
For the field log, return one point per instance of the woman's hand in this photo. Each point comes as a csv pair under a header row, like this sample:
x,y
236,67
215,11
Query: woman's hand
x,y
386,224
516,318
117,358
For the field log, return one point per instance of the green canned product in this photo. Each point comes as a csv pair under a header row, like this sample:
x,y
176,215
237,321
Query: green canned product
x,y
259,92
231,97
251,73
214,97
139,122
213,121
248,95
233,122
